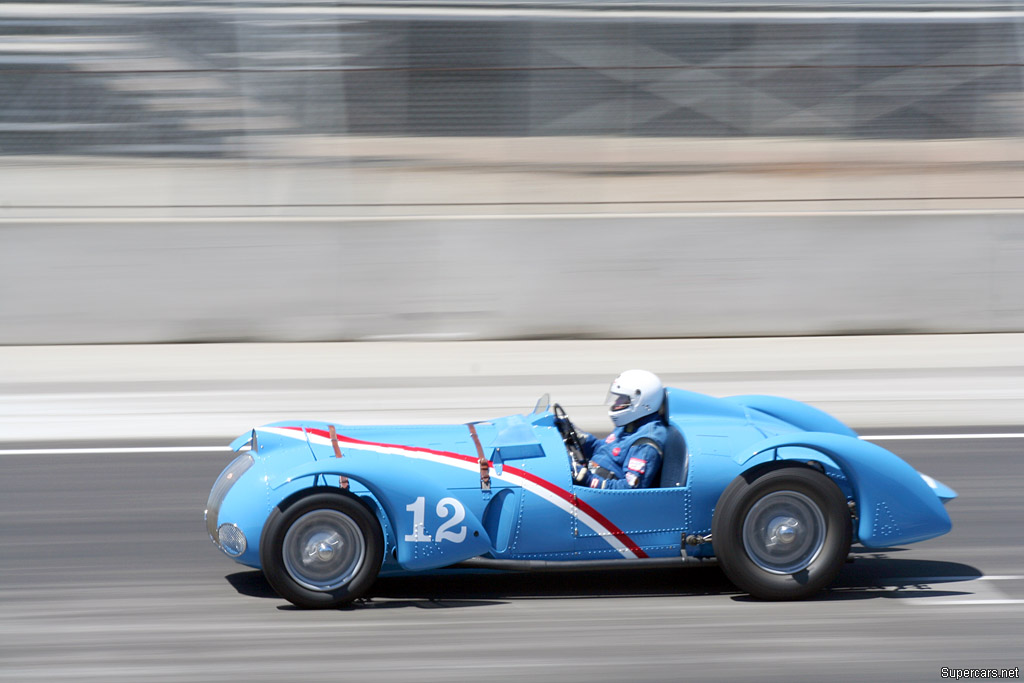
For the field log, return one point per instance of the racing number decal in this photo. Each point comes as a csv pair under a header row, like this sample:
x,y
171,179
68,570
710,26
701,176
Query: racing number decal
x,y
419,533
458,514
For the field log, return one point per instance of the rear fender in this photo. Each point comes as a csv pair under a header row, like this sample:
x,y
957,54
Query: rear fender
x,y
894,503
795,413
439,530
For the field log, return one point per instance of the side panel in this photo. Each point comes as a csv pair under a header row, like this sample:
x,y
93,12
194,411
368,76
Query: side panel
x,y
709,475
894,503
654,519
546,525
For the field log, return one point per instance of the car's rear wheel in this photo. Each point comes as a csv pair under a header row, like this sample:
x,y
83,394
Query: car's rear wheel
x,y
782,532
323,550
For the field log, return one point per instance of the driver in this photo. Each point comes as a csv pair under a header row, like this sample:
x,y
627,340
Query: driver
x,y
630,458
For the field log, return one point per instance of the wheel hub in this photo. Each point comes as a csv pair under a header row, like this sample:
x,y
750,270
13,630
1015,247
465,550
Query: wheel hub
x,y
784,532
323,549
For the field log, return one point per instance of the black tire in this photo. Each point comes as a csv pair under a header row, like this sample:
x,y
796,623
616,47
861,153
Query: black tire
x,y
349,547
782,532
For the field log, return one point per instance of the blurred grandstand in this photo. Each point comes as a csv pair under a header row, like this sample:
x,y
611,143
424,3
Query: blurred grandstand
x,y
240,78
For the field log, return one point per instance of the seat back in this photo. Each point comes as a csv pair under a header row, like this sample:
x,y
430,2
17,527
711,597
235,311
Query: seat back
x,y
674,460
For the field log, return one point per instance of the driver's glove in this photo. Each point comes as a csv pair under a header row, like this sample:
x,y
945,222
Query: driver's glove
x,y
580,474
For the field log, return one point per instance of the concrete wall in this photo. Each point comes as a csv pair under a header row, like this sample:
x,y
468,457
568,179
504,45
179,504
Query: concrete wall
x,y
532,276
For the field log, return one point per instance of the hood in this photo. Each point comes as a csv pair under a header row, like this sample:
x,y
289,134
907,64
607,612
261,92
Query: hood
x,y
455,438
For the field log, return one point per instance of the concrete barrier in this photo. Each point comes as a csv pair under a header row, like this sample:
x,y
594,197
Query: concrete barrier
x,y
631,276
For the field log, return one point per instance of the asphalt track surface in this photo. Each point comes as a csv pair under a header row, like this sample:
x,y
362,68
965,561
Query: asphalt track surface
x,y
107,574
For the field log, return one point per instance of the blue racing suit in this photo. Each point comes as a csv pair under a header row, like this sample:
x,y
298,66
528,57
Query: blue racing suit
x,y
619,462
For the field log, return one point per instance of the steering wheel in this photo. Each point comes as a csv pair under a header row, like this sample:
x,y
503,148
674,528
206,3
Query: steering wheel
x,y
570,436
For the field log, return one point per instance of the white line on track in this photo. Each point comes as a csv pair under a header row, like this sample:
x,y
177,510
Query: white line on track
x,y
928,437
983,594
950,603
949,579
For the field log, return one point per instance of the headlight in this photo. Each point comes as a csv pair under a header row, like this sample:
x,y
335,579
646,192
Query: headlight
x,y
232,540
224,482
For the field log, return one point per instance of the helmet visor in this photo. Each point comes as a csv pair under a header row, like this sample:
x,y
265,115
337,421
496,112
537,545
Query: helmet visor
x,y
617,401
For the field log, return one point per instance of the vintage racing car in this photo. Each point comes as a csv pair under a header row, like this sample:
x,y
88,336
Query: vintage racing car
x,y
775,490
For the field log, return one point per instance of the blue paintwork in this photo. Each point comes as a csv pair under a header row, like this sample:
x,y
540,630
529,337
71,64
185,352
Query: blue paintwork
x,y
896,505
944,492
795,413
532,510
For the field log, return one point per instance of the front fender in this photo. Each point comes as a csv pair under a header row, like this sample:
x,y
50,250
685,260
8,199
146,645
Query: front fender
x,y
440,530
895,504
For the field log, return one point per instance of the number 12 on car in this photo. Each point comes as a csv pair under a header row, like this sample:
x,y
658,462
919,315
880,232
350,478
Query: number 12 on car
x,y
445,507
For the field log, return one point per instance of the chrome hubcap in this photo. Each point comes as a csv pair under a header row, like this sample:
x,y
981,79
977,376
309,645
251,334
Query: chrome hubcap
x,y
783,532
323,550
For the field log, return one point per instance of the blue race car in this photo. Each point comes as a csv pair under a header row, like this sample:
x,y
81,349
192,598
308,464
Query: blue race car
x,y
774,490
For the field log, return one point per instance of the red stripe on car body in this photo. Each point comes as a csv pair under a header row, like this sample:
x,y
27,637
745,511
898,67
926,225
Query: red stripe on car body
x,y
561,493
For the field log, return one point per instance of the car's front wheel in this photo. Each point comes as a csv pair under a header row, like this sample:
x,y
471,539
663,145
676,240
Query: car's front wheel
x,y
323,550
782,532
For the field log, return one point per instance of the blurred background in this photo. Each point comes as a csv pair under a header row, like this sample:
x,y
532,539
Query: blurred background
x,y
818,199
282,171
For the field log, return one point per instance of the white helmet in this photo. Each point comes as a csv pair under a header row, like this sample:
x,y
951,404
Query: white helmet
x,y
634,394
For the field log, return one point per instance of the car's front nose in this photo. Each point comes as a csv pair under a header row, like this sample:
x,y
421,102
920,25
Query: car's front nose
x,y
236,508
231,474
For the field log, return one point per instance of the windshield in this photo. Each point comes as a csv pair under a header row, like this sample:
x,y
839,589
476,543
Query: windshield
x,y
543,403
